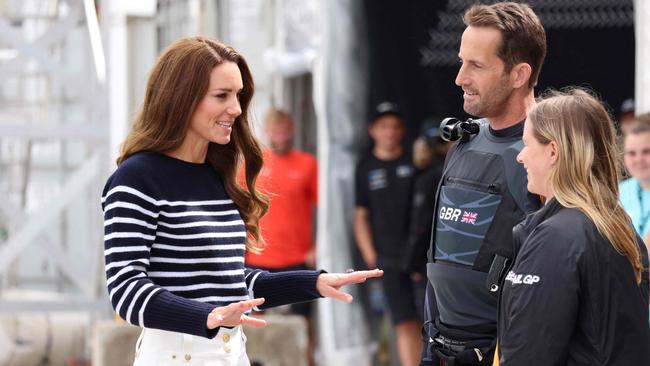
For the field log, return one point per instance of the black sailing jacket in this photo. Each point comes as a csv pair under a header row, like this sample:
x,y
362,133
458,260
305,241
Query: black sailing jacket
x,y
570,298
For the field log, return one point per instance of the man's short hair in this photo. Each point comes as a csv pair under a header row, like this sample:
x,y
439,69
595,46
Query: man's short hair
x,y
276,115
523,38
641,124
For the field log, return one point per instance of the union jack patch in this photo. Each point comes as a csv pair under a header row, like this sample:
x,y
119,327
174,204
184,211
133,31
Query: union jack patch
x,y
469,217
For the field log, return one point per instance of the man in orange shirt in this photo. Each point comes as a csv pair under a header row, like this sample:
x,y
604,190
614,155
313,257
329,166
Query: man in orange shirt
x,y
289,177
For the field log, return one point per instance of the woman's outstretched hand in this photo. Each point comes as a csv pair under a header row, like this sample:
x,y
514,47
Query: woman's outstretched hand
x,y
233,315
328,284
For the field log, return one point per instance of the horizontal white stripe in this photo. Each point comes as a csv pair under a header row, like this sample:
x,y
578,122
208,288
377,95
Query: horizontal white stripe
x,y
161,274
234,234
134,248
121,234
118,287
128,220
197,260
251,271
193,203
134,300
149,199
111,265
220,298
196,248
206,286
123,271
144,305
129,190
201,223
125,295
131,206
199,213
251,289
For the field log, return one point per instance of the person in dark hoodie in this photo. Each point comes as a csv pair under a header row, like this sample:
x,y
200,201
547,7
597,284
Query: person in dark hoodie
x,y
578,288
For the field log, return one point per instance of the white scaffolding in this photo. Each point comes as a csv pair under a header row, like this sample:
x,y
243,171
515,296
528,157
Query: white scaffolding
x,y
53,141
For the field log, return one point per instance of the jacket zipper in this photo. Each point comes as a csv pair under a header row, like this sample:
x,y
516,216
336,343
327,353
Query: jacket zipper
x,y
485,187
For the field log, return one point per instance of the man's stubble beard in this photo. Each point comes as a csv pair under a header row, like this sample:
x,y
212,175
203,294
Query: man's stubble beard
x,y
492,102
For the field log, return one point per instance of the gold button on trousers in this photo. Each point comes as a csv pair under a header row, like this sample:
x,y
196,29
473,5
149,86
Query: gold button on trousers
x,y
160,348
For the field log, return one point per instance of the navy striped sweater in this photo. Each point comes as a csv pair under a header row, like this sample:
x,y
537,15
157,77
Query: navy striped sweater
x,y
174,246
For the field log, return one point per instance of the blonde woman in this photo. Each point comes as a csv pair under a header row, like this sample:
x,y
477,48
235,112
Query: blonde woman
x,y
577,291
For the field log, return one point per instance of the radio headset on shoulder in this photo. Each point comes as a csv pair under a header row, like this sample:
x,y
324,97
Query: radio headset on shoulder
x,y
452,129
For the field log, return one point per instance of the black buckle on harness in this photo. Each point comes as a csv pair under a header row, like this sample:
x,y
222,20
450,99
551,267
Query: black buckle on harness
x,y
449,344
455,352
497,270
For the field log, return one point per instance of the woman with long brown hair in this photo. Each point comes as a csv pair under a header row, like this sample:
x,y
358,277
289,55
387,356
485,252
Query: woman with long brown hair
x,y
177,223
577,291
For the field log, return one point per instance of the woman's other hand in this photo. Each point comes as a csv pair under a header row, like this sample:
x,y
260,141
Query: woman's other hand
x,y
233,315
328,284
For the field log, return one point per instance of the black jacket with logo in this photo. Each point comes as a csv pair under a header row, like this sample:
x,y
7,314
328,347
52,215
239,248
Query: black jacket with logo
x,y
570,298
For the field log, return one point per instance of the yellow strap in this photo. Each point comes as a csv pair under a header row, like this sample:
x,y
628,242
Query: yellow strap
x,y
495,362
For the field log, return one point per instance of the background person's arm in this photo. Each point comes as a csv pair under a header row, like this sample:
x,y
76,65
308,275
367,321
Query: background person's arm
x,y
363,237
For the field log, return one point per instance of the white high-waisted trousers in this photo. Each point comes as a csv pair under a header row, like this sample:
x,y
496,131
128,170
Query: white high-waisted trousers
x,y
160,348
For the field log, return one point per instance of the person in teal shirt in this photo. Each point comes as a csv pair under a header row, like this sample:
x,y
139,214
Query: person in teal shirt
x,y
635,191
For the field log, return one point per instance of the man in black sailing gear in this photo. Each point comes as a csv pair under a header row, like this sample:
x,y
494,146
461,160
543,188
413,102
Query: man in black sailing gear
x,y
482,193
